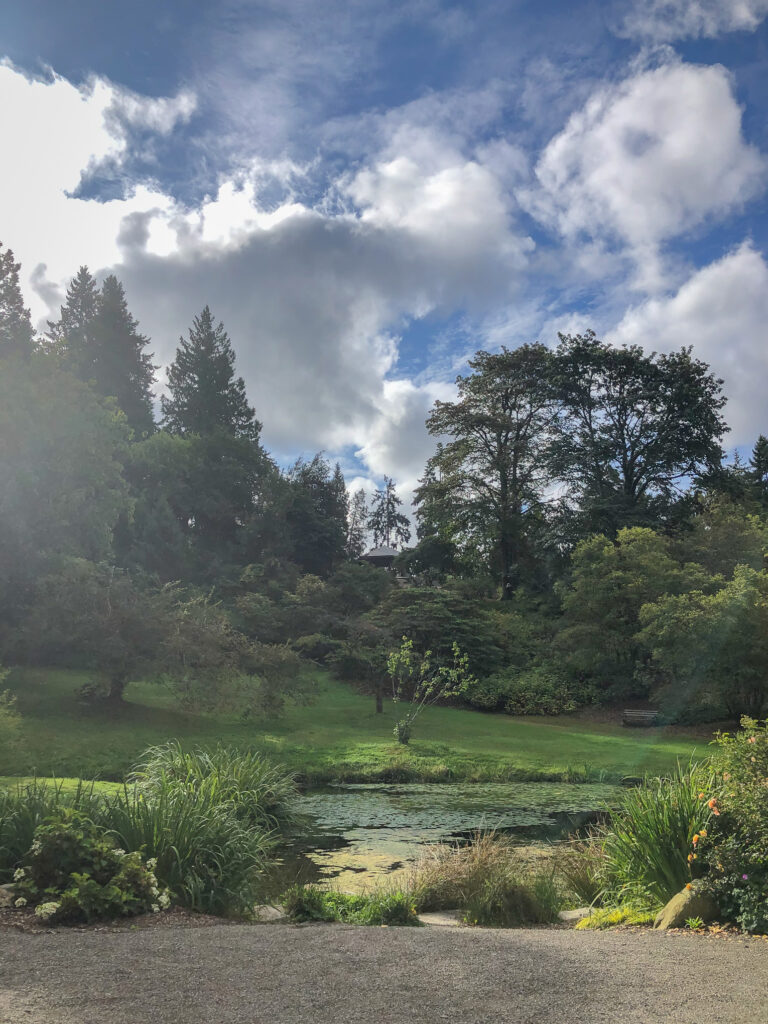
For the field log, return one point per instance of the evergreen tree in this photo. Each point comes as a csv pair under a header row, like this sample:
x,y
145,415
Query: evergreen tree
x,y
317,516
389,527
205,396
357,524
119,366
759,470
15,323
71,336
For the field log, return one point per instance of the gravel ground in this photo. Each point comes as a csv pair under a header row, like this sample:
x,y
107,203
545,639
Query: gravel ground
x,y
315,974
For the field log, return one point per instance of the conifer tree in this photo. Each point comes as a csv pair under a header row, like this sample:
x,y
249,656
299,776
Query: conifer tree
x,y
759,469
119,366
15,323
205,395
71,336
389,527
357,525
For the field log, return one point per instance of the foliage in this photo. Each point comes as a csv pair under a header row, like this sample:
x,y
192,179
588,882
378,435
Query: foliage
x,y
204,396
73,872
647,843
388,526
10,720
694,923
261,792
436,619
610,917
25,807
484,487
632,429
735,847
16,332
422,682
581,863
317,516
539,690
715,643
486,880
310,903
610,582
357,524
723,534
60,463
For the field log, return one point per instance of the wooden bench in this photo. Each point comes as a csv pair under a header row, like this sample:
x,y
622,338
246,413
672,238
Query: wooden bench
x,y
640,719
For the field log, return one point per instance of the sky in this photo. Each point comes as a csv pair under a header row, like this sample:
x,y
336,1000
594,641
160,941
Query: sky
x,y
366,192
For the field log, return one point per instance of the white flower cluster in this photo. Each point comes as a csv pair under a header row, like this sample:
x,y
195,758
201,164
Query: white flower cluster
x,y
18,874
119,853
45,911
36,846
164,899
151,863
20,902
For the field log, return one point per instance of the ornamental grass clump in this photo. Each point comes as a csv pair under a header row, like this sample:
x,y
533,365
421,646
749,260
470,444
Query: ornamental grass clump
x,y
486,880
647,843
302,903
260,792
74,872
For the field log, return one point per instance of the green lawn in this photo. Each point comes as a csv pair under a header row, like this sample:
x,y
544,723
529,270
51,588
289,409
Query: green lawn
x,y
339,737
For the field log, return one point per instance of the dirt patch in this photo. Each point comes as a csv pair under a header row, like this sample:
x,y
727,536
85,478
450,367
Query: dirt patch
x,y
24,920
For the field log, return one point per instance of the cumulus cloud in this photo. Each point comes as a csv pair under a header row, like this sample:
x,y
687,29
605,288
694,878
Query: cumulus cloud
x,y
76,131
314,295
722,310
667,20
646,160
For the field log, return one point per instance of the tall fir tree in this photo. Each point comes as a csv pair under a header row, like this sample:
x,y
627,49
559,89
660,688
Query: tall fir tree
x,y
389,527
16,334
205,396
759,470
357,524
119,366
71,336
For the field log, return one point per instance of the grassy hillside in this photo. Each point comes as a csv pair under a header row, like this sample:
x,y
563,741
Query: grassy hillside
x,y
339,737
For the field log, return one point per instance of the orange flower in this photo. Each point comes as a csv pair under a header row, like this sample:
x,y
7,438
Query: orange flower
x,y
716,812
711,804
690,857
688,885
752,739
703,833
695,839
701,796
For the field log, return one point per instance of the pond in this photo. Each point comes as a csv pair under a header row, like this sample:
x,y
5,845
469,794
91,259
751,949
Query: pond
x,y
353,836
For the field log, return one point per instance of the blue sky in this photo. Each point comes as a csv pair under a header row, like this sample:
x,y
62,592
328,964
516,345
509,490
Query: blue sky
x,y
366,192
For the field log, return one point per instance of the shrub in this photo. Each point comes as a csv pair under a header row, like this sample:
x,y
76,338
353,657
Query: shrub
x,y
311,903
649,838
734,848
26,807
74,872
486,880
539,690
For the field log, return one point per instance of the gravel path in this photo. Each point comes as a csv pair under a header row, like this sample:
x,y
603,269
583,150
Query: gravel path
x,y
317,973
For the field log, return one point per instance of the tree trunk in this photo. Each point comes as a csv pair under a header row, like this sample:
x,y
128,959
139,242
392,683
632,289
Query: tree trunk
x,y
117,685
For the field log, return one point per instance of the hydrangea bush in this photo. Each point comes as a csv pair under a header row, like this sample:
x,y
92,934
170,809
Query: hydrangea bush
x,y
74,872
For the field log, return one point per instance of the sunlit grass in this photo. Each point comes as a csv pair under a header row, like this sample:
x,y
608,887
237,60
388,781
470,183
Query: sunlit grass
x,y
340,737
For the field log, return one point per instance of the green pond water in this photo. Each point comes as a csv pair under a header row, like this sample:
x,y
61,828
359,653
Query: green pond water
x,y
353,836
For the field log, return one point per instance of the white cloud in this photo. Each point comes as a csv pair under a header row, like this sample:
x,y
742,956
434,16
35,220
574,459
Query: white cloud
x,y
75,130
667,20
646,160
314,297
722,310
